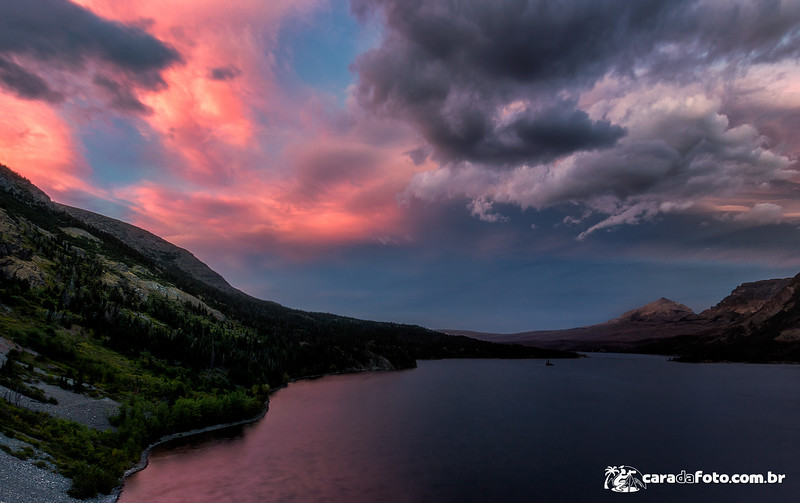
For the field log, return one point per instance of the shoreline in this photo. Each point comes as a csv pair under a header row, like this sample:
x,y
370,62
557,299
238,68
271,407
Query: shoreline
x,y
144,458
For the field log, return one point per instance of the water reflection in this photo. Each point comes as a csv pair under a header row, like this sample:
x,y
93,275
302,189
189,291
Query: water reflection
x,y
496,430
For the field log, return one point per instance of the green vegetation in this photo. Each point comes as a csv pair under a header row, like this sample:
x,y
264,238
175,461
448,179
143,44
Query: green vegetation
x,y
155,401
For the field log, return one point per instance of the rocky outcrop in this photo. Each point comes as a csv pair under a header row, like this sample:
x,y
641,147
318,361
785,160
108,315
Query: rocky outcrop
x,y
747,299
151,246
661,311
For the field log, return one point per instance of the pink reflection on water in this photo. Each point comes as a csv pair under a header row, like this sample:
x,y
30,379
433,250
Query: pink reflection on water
x,y
296,453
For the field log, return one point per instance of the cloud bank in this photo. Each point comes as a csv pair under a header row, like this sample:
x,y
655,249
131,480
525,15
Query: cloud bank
x,y
189,118
629,110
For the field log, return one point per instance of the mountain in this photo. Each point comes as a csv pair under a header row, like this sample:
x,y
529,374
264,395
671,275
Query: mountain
x,y
757,322
746,300
100,317
657,320
152,265
151,246
661,311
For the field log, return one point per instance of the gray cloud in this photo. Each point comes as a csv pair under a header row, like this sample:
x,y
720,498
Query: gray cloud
x,y
45,36
468,133
451,68
623,111
120,96
224,73
26,84
681,155
520,41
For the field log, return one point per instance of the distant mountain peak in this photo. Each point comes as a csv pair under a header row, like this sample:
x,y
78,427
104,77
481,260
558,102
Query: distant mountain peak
x,y
660,310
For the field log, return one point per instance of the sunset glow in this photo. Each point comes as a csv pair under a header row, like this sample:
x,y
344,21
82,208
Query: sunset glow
x,y
509,137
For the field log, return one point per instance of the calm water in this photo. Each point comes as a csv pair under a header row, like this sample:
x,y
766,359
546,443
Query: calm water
x,y
498,430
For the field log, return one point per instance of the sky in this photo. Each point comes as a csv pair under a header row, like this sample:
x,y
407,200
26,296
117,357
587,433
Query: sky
x,y
497,166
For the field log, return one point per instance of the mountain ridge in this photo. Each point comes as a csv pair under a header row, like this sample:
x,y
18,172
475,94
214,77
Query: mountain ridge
x,y
200,281
757,321
151,245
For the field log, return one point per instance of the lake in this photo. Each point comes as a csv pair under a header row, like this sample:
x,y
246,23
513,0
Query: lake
x,y
498,430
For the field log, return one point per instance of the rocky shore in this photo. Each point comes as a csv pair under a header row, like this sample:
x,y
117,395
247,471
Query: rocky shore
x,y
21,481
35,480
91,412
142,464
27,475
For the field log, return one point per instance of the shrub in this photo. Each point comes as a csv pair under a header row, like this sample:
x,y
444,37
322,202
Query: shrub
x,y
89,480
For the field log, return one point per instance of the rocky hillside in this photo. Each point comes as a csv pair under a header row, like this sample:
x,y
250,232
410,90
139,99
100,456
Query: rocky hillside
x,y
758,322
746,300
151,246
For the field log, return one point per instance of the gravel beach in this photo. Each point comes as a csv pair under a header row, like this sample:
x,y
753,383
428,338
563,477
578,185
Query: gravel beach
x,y
23,482
91,412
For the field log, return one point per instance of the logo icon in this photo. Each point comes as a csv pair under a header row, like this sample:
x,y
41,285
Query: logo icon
x,y
624,479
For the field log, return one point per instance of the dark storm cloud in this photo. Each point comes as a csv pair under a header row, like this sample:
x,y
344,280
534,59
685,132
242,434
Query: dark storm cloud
x,y
224,73
450,68
538,135
522,40
46,35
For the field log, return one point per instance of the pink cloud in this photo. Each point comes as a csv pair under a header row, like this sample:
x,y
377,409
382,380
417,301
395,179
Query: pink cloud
x,y
39,143
253,213
245,157
258,158
205,120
